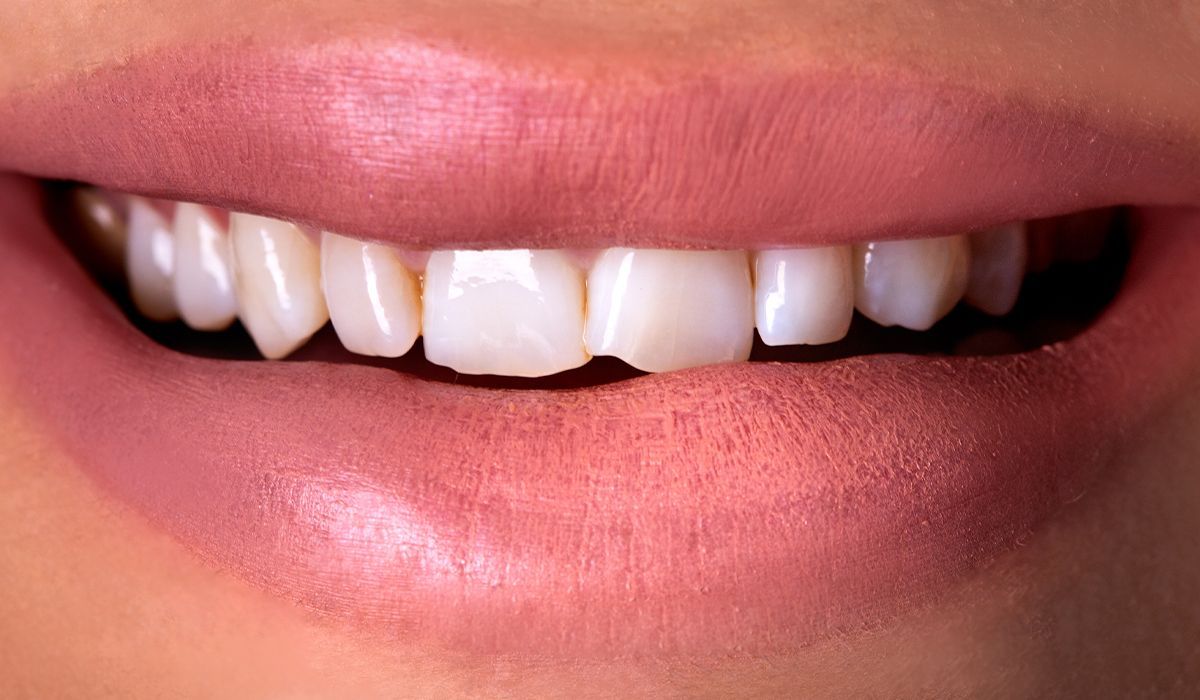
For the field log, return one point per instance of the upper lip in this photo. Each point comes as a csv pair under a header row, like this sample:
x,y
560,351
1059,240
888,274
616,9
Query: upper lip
x,y
723,508
426,147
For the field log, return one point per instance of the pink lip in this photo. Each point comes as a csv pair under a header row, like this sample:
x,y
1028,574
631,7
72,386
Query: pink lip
x,y
731,508
652,516
431,147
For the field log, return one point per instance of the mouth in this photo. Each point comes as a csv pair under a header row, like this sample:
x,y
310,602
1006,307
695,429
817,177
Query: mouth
x,y
757,469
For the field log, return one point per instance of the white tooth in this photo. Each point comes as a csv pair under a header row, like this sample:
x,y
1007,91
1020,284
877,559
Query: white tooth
x,y
203,279
803,296
150,261
662,310
510,312
911,283
277,270
374,301
998,261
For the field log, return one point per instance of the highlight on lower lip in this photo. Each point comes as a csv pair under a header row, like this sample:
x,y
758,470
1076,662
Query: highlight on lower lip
x,y
718,510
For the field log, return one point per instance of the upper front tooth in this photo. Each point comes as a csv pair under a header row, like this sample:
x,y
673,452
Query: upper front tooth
x,y
150,261
511,312
911,283
662,310
804,296
203,279
998,261
374,301
277,270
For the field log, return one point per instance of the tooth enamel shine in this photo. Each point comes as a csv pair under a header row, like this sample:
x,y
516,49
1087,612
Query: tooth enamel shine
x,y
804,296
150,261
203,278
104,228
277,270
532,313
911,283
374,301
511,312
662,310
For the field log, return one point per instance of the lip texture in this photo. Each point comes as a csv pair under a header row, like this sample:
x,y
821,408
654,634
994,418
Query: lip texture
x,y
427,147
731,509
654,516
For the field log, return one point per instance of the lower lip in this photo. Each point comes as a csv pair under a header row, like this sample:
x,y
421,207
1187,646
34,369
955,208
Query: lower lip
x,y
739,507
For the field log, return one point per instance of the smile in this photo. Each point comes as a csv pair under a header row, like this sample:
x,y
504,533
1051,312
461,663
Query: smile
x,y
703,492
532,313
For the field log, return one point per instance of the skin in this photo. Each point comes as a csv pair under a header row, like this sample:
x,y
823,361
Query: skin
x,y
1099,603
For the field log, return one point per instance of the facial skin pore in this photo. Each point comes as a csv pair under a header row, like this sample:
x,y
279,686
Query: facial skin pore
x,y
94,601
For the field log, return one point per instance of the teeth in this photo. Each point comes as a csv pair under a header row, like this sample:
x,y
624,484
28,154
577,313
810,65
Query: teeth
x,y
103,226
374,301
661,310
803,297
203,280
150,261
998,261
911,283
277,270
532,313
512,312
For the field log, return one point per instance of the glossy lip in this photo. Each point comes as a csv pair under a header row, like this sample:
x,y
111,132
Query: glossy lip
x,y
428,146
730,509
654,516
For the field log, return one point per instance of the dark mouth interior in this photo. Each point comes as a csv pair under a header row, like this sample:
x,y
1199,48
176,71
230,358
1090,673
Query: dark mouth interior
x,y
1055,305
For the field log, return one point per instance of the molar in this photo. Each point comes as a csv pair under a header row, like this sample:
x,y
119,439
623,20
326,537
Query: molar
x,y
104,227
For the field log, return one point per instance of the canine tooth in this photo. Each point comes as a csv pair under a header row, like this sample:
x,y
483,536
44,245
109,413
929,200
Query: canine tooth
x,y
911,283
998,261
203,280
803,296
150,261
277,271
662,310
510,312
374,301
